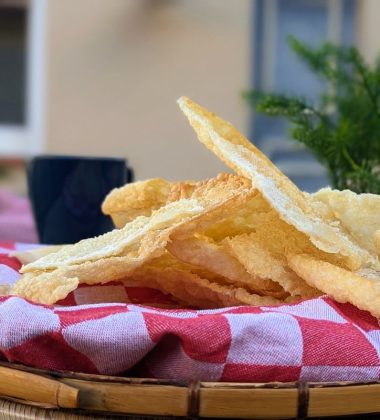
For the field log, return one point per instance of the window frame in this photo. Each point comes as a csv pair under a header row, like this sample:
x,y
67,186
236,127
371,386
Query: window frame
x,y
263,78
264,30
28,139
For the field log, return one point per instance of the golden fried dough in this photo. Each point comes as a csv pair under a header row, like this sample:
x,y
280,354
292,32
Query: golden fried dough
x,y
117,254
190,289
202,252
140,198
283,196
261,263
247,239
30,255
361,288
358,214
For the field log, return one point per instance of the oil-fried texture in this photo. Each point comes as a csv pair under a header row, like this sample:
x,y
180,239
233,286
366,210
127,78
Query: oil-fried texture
x,y
219,187
103,259
183,189
167,260
120,218
143,197
260,240
153,237
46,288
150,194
258,217
376,241
30,255
232,191
118,253
246,219
213,257
361,288
288,201
261,263
193,290
358,214
139,232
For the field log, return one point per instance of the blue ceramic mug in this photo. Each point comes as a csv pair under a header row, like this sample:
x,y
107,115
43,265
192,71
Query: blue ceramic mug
x,y
66,193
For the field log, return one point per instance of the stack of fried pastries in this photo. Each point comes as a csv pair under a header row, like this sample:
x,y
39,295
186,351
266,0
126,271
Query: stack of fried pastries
x,y
250,238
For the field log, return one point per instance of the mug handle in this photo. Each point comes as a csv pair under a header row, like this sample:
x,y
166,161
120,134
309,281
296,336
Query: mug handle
x,y
130,175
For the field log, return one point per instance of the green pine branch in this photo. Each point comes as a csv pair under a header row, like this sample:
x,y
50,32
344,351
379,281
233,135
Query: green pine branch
x,y
343,130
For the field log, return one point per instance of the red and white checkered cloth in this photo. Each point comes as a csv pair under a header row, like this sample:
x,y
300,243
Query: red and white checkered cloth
x,y
16,218
316,340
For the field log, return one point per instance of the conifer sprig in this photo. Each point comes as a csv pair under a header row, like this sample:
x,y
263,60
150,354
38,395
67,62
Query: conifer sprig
x,y
343,128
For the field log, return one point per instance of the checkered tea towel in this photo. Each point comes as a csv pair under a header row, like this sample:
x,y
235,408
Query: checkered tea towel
x,y
107,330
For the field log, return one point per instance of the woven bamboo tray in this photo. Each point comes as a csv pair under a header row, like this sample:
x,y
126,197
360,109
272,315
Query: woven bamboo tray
x,y
29,393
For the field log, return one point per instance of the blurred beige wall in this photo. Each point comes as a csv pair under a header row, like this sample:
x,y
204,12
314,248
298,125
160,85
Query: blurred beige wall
x,y
368,28
116,67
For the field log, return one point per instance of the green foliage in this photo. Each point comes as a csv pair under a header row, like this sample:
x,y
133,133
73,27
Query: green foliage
x,y
343,129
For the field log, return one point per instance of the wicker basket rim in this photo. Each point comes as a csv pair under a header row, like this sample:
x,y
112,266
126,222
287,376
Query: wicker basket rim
x,y
90,377
94,393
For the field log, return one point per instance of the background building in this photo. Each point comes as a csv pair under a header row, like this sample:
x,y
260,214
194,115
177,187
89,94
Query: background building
x,y
95,77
